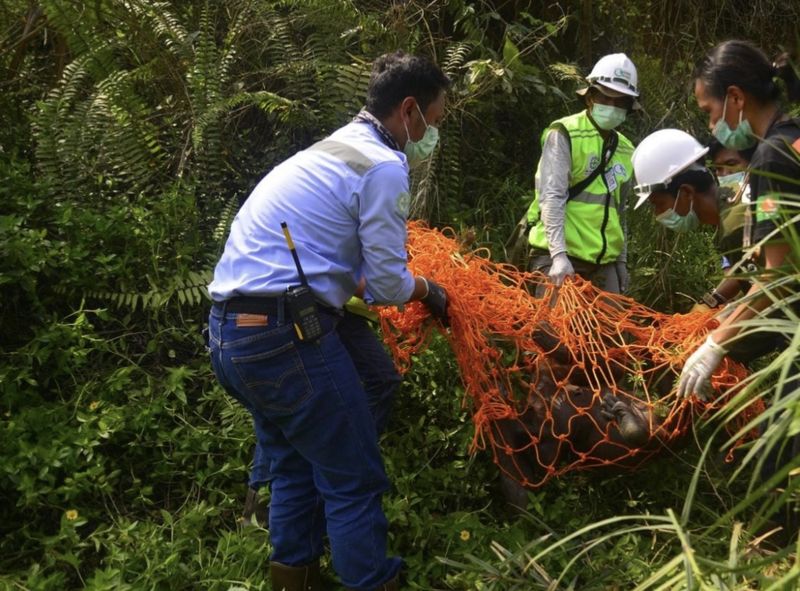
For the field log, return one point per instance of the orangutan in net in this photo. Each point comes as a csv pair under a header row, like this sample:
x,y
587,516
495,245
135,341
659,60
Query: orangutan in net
x,y
554,426
573,379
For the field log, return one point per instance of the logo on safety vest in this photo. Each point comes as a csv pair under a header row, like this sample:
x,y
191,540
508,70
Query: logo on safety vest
x,y
594,162
767,205
619,170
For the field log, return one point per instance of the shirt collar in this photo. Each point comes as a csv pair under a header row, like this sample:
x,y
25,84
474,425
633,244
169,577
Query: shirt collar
x,y
365,116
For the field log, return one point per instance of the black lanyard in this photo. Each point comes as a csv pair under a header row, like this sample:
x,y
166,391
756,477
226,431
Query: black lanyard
x,y
365,116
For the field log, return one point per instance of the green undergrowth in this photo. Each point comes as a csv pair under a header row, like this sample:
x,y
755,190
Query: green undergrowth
x,y
132,476
131,133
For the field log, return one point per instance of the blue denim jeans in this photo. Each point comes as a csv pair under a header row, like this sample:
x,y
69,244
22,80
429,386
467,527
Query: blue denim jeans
x,y
376,371
314,424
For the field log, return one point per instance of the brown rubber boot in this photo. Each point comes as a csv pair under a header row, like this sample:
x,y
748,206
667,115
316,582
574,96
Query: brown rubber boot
x,y
254,506
391,585
295,578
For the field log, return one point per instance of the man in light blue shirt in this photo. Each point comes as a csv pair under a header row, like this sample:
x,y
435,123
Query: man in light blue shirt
x,y
345,201
317,411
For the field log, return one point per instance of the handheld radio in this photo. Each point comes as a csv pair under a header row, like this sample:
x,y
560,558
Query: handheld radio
x,y
300,300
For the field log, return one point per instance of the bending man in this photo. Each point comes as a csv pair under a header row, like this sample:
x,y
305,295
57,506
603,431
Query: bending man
x,y
345,200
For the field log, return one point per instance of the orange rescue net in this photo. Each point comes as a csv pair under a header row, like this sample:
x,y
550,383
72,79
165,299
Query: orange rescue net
x,y
576,379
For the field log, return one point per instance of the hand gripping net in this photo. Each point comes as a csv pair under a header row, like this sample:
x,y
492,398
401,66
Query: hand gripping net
x,y
576,379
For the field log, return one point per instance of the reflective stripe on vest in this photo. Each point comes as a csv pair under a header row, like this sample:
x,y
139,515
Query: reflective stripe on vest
x,y
586,197
585,213
354,159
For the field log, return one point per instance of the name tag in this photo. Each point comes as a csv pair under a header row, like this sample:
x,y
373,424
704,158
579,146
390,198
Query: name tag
x,y
611,180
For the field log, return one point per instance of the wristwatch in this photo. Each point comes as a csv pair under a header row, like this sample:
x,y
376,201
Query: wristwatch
x,y
714,299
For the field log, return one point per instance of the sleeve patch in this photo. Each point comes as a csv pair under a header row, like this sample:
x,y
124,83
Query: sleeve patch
x,y
403,204
767,208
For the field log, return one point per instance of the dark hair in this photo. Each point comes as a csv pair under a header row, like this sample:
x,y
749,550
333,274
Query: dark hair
x,y
742,64
398,75
699,179
715,147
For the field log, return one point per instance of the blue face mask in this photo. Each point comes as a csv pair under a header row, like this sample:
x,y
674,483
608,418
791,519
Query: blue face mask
x,y
416,152
672,220
740,138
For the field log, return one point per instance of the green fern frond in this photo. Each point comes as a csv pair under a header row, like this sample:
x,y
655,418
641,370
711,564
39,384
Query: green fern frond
x,y
189,290
440,181
268,102
455,57
233,39
220,232
566,72
159,17
66,18
348,84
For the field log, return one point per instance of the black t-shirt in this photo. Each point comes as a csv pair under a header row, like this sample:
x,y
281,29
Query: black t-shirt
x,y
775,156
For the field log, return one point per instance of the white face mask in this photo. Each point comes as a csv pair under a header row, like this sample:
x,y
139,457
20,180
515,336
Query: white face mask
x,y
416,152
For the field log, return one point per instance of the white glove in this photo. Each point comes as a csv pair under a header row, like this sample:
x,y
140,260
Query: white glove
x,y
560,269
696,374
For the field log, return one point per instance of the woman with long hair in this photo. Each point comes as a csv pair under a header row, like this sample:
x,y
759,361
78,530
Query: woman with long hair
x,y
740,90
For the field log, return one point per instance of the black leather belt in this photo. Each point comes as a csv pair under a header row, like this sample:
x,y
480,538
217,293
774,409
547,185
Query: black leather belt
x,y
263,305
251,305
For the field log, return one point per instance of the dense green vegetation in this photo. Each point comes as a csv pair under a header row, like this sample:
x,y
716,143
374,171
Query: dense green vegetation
x,y
131,132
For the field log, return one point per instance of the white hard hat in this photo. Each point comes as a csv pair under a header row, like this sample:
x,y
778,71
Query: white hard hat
x,y
617,72
660,157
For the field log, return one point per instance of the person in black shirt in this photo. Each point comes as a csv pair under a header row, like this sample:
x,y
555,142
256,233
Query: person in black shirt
x,y
737,85
775,174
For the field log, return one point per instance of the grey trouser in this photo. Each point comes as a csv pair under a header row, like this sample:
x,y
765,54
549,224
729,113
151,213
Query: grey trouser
x,y
603,276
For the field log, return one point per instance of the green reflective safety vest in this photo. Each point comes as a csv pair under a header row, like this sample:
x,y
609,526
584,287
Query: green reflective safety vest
x,y
592,228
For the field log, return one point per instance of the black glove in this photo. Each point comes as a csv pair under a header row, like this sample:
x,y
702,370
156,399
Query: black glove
x,y
436,300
